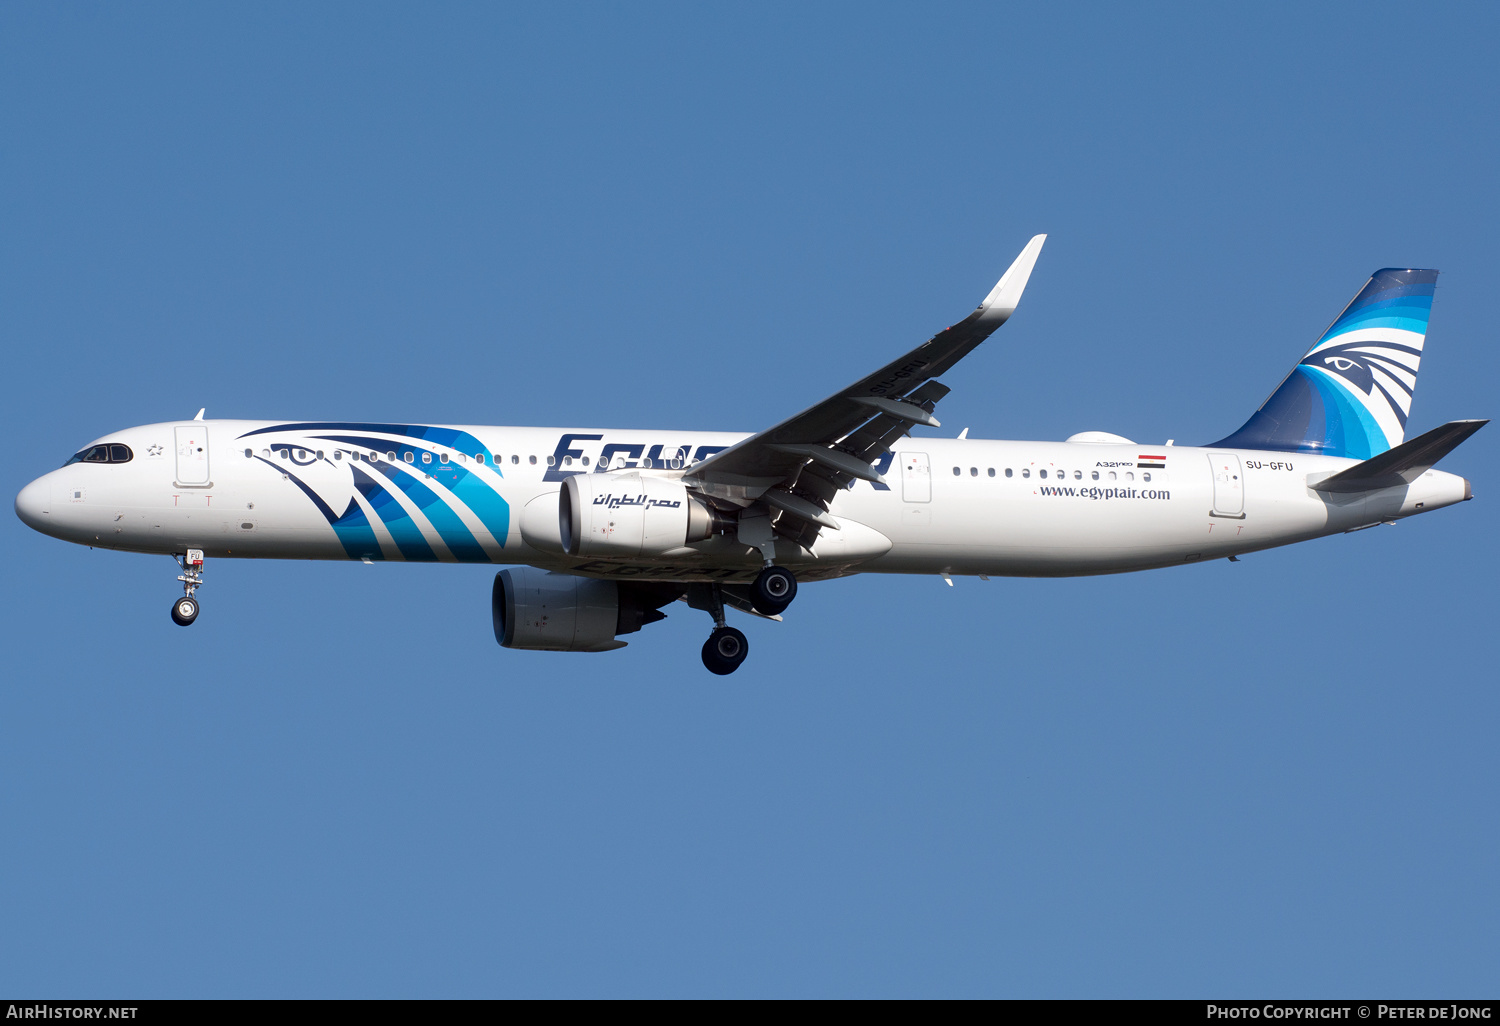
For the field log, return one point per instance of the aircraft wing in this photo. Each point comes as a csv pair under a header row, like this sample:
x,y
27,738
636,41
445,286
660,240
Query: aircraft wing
x,y
797,466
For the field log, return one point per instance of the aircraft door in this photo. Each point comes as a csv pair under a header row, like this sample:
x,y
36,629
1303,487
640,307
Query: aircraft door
x,y
192,454
1229,485
916,477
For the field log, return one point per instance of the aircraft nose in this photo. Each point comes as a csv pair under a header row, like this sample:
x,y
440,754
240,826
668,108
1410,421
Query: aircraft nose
x,y
33,504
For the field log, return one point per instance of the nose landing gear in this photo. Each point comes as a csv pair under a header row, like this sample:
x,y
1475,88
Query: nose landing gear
x,y
185,609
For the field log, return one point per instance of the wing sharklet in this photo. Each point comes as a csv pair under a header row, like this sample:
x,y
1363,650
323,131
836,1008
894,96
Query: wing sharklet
x,y
737,471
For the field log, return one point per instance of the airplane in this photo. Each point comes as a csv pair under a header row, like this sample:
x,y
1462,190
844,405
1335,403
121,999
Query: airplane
x,y
606,527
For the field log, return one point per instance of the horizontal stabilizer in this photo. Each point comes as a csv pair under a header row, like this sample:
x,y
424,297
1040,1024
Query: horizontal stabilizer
x,y
1403,464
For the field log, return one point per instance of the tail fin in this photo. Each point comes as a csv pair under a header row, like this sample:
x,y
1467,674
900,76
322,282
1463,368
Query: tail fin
x,y
1351,393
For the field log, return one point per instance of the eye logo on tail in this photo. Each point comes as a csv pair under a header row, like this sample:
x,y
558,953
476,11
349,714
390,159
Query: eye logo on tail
x,y
1382,375
1351,394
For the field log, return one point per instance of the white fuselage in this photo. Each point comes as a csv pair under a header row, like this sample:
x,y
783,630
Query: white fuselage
x,y
261,489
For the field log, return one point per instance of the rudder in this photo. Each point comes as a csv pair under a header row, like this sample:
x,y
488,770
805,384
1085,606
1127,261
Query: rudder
x,y
1351,394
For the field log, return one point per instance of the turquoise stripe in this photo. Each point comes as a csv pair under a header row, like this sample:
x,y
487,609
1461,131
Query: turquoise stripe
x,y
1387,321
1351,429
404,531
492,510
459,539
356,534
1406,308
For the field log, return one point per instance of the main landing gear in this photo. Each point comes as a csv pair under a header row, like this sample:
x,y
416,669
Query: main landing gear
x,y
773,590
185,609
726,648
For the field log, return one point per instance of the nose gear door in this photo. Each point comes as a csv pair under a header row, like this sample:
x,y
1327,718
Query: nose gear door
x,y
192,454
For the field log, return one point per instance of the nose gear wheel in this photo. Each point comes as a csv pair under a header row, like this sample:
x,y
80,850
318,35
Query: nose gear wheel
x,y
184,611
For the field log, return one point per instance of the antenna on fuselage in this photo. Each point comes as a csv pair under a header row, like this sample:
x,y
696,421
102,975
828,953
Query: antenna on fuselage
x,y
201,413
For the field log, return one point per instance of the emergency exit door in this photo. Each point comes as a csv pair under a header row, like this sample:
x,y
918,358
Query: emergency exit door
x,y
916,477
1229,485
192,454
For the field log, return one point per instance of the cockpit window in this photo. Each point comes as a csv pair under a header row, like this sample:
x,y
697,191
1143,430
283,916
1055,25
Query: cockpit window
x,y
103,454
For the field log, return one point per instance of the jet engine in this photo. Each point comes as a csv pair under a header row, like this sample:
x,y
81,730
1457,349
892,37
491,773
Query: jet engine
x,y
553,612
623,517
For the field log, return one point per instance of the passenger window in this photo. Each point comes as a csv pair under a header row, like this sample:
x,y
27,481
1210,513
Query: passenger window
x,y
1077,475
992,472
1007,472
1129,476
1025,471
956,472
408,456
1111,475
585,461
320,454
973,471
533,459
427,457
390,457
552,461
1041,473
338,454
1096,475
301,454
249,453
567,461
284,453
374,457
1146,477
646,462
517,459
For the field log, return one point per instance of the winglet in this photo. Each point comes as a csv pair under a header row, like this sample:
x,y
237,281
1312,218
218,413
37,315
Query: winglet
x,y
1006,295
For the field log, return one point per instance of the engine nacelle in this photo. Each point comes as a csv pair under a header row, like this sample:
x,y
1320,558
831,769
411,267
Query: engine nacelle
x,y
552,612
623,517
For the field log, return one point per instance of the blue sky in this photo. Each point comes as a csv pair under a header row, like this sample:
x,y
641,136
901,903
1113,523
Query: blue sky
x,y
1274,777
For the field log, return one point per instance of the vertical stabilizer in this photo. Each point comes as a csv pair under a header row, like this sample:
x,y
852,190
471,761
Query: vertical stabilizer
x,y
1350,395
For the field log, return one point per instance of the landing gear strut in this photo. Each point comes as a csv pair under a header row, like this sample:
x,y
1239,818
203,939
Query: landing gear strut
x,y
185,609
726,647
773,590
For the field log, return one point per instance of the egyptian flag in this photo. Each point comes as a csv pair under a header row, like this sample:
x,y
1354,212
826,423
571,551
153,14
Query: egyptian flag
x,y
1151,462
